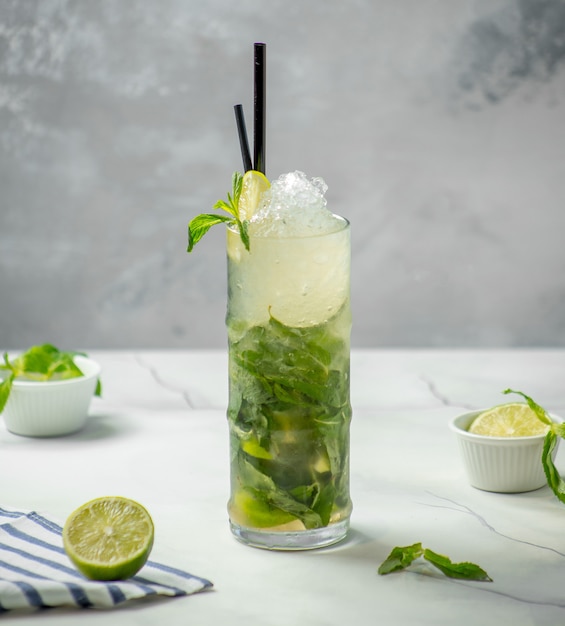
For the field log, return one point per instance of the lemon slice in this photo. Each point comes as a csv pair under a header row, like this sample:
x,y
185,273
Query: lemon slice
x,y
253,186
508,420
109,538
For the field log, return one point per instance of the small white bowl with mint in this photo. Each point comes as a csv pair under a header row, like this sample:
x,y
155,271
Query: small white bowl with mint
x,y
46,392
510,448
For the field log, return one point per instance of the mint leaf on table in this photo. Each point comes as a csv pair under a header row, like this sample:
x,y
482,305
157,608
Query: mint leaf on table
x,y
554,480
201,224
401,557
464,570
39,363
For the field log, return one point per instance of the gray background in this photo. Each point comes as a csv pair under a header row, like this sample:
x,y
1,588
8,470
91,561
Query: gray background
x,y
439,127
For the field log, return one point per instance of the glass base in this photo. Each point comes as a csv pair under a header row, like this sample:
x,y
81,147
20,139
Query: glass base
x,y
291,540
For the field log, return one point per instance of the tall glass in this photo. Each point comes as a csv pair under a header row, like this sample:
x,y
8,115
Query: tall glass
x,y
289,321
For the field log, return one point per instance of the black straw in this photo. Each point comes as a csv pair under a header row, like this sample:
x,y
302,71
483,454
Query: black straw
x,y
259,109
243,141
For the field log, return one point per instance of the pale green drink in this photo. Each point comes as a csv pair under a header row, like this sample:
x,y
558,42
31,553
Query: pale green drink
x,y
289,323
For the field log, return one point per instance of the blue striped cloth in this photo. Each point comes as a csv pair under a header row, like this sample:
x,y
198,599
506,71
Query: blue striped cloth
x,y
35,572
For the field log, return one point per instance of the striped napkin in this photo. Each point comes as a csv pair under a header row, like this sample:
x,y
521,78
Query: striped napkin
x,y
36,573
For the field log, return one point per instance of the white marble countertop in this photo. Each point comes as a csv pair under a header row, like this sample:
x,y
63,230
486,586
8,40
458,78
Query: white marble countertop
x,y
159,435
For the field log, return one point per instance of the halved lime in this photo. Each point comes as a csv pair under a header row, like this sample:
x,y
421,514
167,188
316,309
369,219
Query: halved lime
x,y
514,419
253,186
109,538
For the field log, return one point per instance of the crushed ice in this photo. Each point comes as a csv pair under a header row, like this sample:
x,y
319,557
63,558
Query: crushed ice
x,y
294,206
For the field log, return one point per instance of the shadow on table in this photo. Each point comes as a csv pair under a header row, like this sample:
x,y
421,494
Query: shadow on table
x,y
357,545
103,426
98,427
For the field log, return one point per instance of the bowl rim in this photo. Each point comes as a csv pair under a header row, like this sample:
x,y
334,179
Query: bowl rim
x,y
94,371
456,424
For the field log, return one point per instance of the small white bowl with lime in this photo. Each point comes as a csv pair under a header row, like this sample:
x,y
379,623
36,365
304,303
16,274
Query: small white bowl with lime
x,y
505,449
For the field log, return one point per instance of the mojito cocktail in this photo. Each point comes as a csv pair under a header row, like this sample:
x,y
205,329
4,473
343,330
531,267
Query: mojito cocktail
x,y
288,322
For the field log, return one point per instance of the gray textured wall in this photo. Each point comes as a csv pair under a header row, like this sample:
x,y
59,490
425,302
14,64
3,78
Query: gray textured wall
x,y
439,127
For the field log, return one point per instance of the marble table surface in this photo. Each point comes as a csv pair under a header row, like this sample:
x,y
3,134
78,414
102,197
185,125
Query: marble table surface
x,y
159,435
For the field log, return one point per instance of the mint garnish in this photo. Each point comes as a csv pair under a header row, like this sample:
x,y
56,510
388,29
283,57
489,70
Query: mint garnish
x,y
201,224
401,557
554,480
39,363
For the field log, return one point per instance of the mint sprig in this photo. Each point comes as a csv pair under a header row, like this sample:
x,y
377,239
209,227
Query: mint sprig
x,y
554,480
39,363
402,557
201,224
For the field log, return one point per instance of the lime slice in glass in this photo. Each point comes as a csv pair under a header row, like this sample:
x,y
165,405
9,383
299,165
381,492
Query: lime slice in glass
x,y
253,186
256,513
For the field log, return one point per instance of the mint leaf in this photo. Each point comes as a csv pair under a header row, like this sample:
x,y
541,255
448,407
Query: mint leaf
x,y
540,412
232,205
36,360
237,185
44,362
201,224
244,233
402,557
465,570
63,366
294,364
554,480
5,388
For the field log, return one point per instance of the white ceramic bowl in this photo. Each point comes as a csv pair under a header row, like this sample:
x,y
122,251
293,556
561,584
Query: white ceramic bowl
x,y
51,408
501,464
